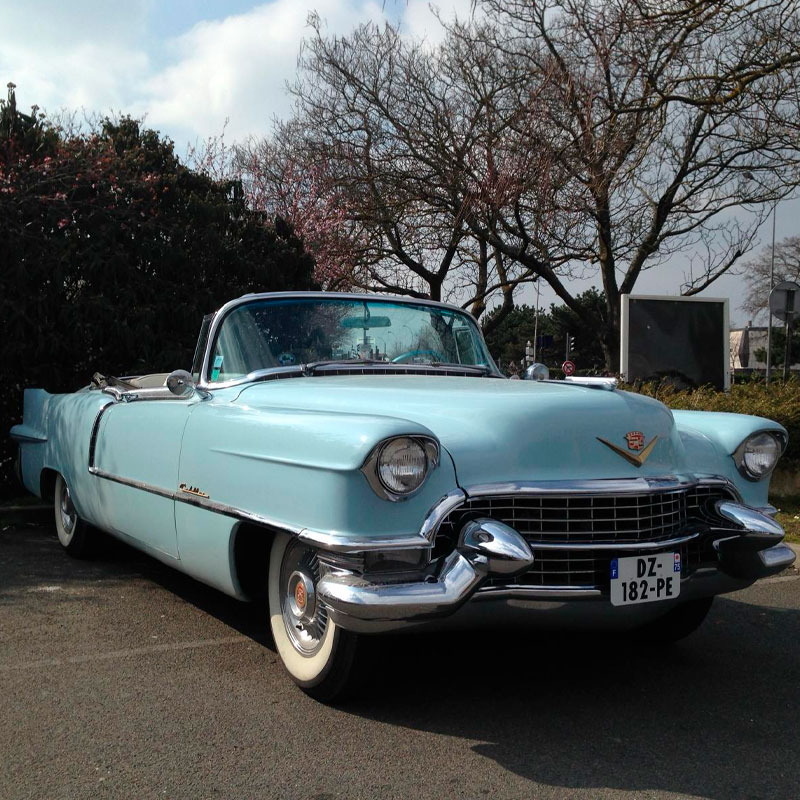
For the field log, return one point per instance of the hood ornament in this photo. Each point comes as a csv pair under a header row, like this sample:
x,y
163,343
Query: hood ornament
x,y
635,440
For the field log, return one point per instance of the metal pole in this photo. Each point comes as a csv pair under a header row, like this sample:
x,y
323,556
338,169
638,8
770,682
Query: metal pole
x,y
787,350
536,324
771,286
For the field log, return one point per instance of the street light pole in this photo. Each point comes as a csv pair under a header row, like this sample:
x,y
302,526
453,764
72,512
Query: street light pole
x,y
536,323
771,286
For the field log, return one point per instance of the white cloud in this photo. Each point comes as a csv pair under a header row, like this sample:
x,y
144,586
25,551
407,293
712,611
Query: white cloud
x,y
64,56
420,18
73,79
237,68
48,24
107,57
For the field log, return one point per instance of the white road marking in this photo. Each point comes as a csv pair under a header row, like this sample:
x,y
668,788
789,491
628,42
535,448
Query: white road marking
x,y
132,651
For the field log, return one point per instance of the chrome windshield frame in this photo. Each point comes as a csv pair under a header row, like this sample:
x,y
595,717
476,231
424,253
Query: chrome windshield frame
x,y
220,316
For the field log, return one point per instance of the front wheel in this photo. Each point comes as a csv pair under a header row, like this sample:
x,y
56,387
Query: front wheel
x,y
75,535
316,652
676,624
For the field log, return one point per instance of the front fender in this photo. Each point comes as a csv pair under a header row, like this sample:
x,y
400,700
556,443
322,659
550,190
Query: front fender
x,y
710,439
301,470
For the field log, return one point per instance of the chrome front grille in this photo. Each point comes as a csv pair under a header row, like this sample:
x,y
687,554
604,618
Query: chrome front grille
x,y
572,520
568,520
700,502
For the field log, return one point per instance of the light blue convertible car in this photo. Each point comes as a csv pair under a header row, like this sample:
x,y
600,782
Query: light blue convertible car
x,y
362,462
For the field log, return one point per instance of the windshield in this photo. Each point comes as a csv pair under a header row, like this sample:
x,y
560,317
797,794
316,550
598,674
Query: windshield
x,y
269,333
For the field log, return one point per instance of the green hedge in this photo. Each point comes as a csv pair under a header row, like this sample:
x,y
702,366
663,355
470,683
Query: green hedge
x,y
778,401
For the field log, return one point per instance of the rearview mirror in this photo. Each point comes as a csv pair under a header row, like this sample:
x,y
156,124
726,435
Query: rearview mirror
x,y
365,323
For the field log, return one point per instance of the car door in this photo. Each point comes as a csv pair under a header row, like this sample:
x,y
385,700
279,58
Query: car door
x,y
135,461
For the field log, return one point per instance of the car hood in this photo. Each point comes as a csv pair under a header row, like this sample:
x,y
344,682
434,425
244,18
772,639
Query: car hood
x,y
499,430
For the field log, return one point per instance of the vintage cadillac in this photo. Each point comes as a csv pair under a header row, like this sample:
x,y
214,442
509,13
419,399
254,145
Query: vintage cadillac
x,y
363,463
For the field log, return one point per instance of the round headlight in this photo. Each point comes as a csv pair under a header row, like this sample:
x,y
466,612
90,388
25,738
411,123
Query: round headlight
x,y
402,465
760,454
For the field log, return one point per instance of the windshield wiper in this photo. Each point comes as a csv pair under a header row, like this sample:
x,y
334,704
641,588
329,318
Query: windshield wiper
x,y
483,369
312,366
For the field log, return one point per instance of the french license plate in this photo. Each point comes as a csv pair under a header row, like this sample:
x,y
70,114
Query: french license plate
x,y
645,579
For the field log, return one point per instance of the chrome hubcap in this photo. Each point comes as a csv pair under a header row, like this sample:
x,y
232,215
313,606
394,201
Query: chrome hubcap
x,y
302,597
304,617
69,517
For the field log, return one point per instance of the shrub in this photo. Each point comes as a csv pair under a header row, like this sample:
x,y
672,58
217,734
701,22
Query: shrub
x,y
779,401
111,252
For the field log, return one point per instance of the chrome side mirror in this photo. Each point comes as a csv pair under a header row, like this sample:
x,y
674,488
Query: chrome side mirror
x,y
537,372
181,383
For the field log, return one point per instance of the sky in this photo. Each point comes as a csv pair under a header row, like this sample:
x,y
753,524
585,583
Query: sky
x,y
193,68
188,66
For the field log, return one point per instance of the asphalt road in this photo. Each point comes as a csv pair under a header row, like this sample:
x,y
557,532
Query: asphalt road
x,y
121,678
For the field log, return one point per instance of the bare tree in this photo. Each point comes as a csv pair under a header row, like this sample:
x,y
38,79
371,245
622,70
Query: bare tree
x,y
547,140
391,147
757,273
664,119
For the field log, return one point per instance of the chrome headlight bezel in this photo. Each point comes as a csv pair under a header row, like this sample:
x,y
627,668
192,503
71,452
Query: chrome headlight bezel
x,y
372,465
741,452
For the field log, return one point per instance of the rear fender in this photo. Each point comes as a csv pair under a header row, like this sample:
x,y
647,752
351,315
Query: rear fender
x,y
54,438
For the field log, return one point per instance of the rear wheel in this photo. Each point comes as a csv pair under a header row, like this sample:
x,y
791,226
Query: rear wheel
x,y
75,535
316,652
676,624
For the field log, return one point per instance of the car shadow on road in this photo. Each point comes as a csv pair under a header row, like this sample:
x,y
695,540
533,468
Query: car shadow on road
x,y
713,716
31,559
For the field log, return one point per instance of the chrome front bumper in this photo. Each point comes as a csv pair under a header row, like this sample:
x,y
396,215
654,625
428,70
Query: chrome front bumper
x,y
489,548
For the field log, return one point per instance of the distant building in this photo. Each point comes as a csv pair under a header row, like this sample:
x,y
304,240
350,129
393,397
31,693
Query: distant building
x,y
745,342
743,345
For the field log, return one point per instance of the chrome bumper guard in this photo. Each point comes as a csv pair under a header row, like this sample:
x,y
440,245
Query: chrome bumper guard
x,y
755,552
488,548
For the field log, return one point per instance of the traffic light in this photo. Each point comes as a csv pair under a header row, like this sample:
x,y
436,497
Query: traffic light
x,y
544,341
570,345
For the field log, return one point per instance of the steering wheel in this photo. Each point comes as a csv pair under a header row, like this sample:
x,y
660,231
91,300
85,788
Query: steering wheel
x,y
411,353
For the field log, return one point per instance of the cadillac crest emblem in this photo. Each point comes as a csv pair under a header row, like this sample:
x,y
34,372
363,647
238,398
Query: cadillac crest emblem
x,y
635,440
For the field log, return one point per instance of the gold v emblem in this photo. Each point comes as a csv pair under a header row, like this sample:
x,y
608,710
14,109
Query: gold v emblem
x,y
636,460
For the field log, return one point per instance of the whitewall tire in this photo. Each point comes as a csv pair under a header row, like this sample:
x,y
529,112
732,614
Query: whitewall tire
x,y
75,535
316,652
